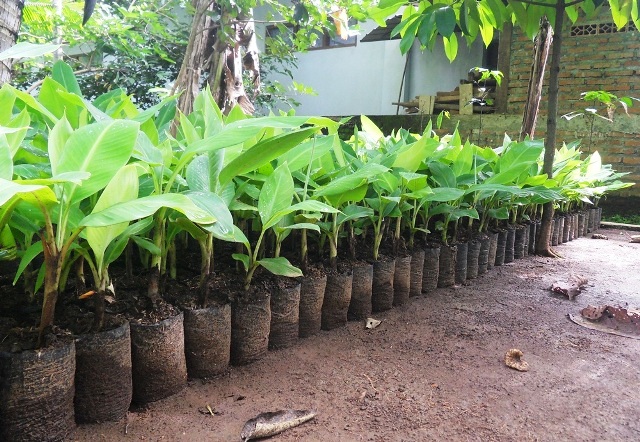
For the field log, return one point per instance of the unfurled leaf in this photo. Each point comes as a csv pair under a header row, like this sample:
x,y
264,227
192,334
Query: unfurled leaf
x,y
244,259
25,49
445,21
147,206
122,187
33,194
264,152
29,255
100,149
451,47
63,74
276,194
280,266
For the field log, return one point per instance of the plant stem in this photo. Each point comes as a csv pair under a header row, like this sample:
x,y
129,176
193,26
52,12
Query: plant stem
x,y
304,251
352,241
377,237
333,242
396,235
206,253
171,259
53,267
153,291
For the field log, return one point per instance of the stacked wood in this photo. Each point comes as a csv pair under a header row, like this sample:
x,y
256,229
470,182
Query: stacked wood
x,y
460,99
465,99
410,107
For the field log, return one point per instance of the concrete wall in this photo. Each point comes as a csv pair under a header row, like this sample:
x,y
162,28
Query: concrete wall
x,y
366,78
431,72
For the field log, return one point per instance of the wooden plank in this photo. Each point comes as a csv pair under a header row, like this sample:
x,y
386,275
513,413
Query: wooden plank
x,y
466,94
449,107
425,104
406,103
450,97
453,92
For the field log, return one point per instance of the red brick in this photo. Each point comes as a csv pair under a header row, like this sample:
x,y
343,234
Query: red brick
x,y
631,160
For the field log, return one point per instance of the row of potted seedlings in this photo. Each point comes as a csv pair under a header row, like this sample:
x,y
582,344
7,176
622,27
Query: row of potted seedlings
x,y
247,232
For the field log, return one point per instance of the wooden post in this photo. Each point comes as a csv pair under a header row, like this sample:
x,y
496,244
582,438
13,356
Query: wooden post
x,y
426,103
466,95
536,79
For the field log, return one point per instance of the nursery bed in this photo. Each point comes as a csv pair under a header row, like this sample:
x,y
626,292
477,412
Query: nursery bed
x,y
434,370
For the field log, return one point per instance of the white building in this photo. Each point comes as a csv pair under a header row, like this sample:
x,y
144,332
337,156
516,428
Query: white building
x,y
365,77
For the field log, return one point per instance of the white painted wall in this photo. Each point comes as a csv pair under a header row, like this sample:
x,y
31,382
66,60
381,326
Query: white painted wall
x,y
362,79
365,79
431,72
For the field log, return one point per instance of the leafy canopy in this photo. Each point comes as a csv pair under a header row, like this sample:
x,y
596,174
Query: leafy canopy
x,y
425,20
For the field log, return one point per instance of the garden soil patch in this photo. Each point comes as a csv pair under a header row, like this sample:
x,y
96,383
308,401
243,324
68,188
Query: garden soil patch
x,y
434,368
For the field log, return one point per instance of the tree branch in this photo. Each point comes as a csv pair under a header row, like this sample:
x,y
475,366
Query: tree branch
x,y
78,72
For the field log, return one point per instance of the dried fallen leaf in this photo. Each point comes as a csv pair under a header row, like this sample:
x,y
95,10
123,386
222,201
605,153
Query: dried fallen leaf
x,y
86,295
592,312
271,423
616,320
340,20
207,410
371,323
513,359
569,288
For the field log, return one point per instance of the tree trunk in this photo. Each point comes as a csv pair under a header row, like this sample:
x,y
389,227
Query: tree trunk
x,y
226,62
536,79
10,20
226,73
543,246
188,81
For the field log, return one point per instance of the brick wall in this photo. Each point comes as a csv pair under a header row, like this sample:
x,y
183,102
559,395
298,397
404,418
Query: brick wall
x,y
605,61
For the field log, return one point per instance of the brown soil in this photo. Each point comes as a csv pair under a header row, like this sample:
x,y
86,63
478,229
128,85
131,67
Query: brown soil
x,y
434,369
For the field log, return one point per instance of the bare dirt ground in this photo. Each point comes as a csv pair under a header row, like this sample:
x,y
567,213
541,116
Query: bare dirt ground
x,y
434,370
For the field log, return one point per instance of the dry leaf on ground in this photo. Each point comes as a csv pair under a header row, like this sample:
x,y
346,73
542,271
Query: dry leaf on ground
x,y
513,359
571,287
371,323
